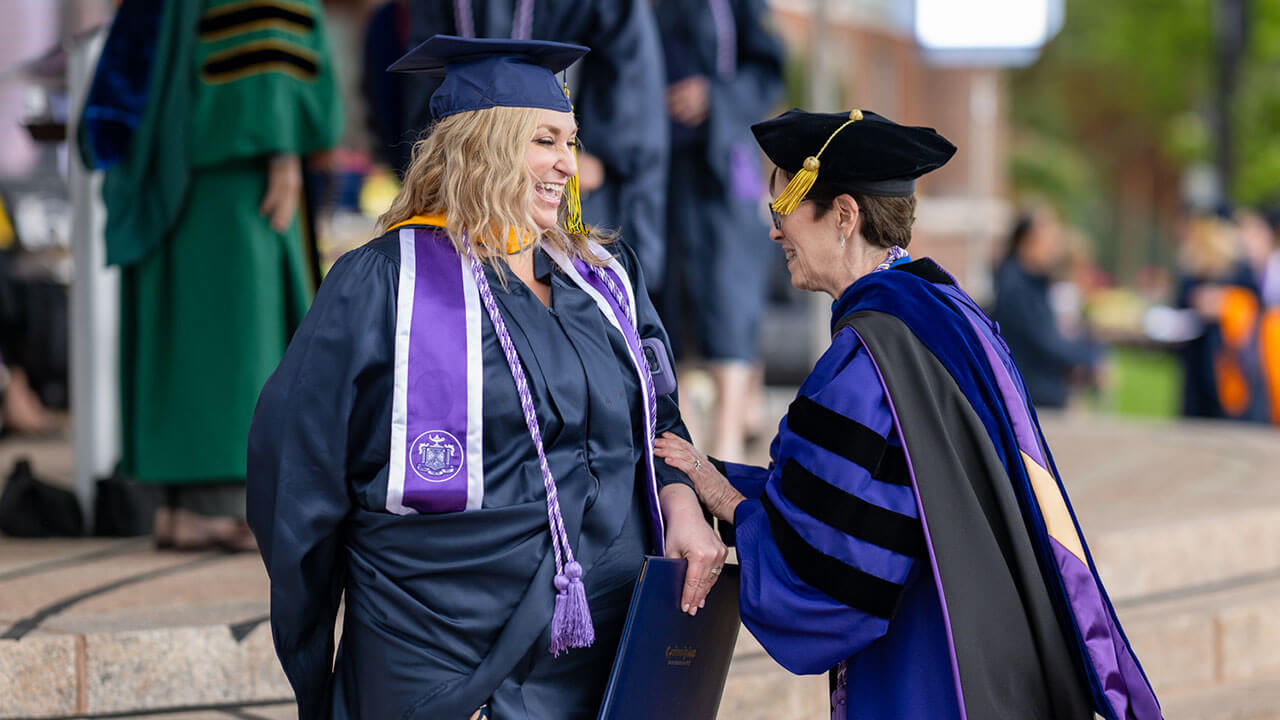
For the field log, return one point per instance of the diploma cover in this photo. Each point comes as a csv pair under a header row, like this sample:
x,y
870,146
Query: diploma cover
x,y
670,665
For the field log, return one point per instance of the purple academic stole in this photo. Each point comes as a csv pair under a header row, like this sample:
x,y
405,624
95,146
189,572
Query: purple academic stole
x,y
610,287
437,418
437,413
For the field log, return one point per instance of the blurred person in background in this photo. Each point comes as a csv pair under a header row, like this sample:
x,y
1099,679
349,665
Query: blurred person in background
x,y
203,159
724,69
910,535
386,39
1261,235
617,97
1046,356
22,411
1216,282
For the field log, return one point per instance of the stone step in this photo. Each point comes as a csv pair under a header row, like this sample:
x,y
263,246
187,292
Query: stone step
x,y
91,627
1205,640
1167,506
1183,520
1253,700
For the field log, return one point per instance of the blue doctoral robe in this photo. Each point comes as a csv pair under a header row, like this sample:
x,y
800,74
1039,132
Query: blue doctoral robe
x,y
447,612
912,523
717,243
617,97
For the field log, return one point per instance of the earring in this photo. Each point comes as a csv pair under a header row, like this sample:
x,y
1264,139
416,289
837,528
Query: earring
x,y
842,239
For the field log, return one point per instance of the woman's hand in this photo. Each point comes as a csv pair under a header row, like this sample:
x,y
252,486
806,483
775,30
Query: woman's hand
x,y
690,537
713,489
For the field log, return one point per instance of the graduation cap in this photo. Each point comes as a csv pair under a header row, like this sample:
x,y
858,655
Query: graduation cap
x,y
860,150
481,73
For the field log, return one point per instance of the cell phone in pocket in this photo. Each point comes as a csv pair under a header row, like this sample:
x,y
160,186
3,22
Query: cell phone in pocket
x,y
655,356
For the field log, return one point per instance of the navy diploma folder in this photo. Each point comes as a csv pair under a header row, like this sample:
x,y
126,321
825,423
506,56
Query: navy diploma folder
x,y
670,665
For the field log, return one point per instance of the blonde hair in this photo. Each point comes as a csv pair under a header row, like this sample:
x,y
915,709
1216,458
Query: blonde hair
x,y
1210,248
472,166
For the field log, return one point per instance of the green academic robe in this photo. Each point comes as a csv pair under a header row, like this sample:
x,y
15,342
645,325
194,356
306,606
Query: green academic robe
x,y
210,293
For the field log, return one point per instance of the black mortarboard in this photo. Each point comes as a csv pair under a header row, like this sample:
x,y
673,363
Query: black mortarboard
x,y
482,73
860,150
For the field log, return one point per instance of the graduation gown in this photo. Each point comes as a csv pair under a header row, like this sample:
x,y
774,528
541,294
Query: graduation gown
x,y
447,612
912,523
210,293
717,243
617,97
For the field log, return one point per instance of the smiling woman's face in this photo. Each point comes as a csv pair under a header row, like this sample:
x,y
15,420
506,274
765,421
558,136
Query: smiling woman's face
x,y
811,245
551,164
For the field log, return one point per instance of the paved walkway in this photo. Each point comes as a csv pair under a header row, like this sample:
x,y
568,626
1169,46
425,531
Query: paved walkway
x,y
1184,520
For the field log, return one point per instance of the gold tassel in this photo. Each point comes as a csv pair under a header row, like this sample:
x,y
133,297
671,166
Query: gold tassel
x,y
573,203
572,195
793,194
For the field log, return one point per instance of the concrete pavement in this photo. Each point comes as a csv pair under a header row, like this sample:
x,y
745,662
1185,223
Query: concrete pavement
x,y
1183,519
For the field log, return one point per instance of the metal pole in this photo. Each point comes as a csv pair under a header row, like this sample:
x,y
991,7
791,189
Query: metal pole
x,y
95,292
1230,35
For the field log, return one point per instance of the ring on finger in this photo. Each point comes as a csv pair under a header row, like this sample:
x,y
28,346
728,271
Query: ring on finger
x,y
716,571
697,464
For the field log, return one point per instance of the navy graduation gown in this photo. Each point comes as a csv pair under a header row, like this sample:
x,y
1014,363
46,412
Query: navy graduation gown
x,y
717,242
618,100
447,612
912,521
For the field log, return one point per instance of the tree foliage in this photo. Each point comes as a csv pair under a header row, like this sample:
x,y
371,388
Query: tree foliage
x,y
1128,87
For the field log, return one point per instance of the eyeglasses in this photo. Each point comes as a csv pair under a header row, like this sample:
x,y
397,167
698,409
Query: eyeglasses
x,y
777,216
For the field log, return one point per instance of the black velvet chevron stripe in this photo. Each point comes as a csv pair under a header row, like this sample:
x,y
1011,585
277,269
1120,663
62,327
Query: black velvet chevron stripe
x,y
851,514
856,588
216,68
849,439
232,18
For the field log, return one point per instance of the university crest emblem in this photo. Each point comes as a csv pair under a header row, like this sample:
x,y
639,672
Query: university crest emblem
x,y
436,456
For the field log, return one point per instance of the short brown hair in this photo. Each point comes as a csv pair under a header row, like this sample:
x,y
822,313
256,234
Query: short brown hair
x,y
886,221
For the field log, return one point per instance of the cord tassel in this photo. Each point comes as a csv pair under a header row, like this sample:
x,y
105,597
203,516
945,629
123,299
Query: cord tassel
x,y
571,622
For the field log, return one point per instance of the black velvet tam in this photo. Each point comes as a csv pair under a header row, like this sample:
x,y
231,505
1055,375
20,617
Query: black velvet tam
x,y
873,154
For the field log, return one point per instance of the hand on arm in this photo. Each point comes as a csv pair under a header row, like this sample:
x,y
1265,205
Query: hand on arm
x,y
719,497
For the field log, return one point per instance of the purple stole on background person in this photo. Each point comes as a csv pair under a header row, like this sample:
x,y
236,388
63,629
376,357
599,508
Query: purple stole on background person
x,y
437,413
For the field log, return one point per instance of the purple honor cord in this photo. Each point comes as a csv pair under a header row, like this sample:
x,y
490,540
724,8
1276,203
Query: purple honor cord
x,y
571,621
621,299
840,698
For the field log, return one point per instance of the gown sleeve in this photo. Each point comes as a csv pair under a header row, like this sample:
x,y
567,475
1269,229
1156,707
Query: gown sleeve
x,y
301,444
649,325
248,69
828,546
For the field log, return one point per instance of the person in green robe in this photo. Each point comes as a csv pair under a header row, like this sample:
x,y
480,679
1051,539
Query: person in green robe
x,y
201,112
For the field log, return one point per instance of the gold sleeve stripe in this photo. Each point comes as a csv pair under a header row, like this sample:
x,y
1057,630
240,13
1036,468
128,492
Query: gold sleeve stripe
x,y
259,57
243,17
